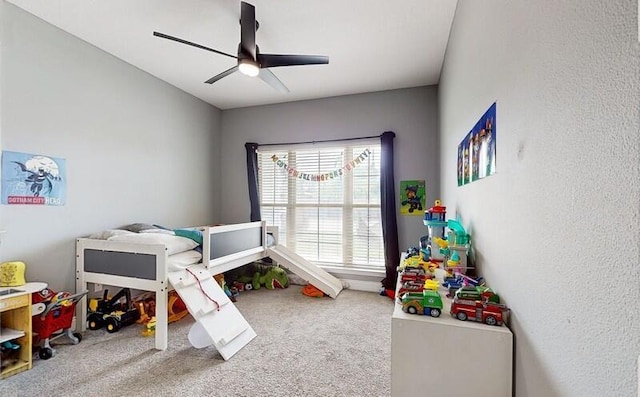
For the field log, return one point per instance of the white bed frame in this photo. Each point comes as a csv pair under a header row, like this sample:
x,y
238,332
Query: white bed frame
x,y
144,266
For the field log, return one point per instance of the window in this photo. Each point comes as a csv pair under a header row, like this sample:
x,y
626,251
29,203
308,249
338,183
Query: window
x,y
325,202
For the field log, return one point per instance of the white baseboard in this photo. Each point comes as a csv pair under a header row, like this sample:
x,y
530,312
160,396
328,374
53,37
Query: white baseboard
x,y
359,285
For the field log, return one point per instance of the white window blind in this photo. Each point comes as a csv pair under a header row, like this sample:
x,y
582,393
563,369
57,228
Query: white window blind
x,y
332,222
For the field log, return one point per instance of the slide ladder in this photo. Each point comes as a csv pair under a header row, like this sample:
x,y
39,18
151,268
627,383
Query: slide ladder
x,y
313,274
218,321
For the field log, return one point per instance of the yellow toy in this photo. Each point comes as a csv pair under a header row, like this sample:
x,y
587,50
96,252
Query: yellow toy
x,y
412,261
144,317
177,308
12,274
60,298
150,327
431,284
441,243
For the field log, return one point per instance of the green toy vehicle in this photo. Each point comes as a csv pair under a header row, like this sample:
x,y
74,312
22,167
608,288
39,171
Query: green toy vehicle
x,y
426,302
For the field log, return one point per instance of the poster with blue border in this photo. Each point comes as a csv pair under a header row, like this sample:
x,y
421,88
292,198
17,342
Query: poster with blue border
x,y
33,179
477,151
466,175
460,167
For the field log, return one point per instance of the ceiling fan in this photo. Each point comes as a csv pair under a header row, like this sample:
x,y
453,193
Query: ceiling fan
x,y
250,61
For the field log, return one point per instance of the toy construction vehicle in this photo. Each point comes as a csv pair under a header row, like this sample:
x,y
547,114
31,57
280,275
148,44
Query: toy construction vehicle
x,y
111,312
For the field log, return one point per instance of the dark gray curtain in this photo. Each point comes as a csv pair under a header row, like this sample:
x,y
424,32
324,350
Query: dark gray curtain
x,y
388,209
252,177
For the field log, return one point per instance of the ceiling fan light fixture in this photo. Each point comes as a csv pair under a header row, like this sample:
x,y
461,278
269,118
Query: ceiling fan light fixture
x,y
248,67
250,61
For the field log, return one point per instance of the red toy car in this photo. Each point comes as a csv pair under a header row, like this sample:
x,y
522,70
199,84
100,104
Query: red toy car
x,y
410,286
486,312
414,274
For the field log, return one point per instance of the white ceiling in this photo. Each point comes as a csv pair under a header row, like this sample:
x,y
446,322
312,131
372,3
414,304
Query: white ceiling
x,y
372,45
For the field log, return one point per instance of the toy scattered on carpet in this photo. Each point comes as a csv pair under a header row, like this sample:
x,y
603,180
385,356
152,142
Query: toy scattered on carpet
x,y
146,305
223,284
310,290
271,277
149,327
388,293
112,312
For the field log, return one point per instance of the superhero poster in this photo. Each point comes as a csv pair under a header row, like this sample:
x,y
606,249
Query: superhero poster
x,y
412,197
33,179
477,151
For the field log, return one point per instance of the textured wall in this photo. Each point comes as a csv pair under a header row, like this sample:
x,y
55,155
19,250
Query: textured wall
x,y
410,113
556,229
137,149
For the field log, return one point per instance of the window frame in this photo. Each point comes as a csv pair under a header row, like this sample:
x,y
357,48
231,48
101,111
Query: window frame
x,y
373,258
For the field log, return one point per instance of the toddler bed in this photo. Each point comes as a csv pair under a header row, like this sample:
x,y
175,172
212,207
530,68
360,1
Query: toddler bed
x,y
143,261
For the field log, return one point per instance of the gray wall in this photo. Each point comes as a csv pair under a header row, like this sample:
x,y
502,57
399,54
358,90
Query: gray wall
x,y
137,149
410,113
556,229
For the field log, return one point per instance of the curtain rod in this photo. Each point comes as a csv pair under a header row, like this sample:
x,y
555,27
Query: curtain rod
x,y
314,142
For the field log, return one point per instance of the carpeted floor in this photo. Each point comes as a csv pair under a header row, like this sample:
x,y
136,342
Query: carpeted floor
x,y
305,347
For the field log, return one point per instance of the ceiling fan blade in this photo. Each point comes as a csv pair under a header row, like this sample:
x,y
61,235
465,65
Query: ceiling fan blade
x,y
268,77
166,36
248,30
275,60
221,75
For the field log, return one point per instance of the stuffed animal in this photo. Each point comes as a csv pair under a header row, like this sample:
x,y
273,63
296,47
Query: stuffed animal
x,y
272,278
275,277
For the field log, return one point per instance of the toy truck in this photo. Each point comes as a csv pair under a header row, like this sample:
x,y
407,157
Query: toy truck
x,y
417,274
111,312
426,302
477,293
452,284
410,286
475,310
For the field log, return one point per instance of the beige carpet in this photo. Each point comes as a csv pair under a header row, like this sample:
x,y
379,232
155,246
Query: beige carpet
x,y
305,347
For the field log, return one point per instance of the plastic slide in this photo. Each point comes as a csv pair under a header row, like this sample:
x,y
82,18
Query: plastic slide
x,y
313,274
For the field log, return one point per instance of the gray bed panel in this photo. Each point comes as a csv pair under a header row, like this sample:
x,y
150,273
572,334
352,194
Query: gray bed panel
x,y
125,264
227,243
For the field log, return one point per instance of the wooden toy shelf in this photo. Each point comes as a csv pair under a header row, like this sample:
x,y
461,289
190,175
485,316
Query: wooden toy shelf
x,y
15,320
445,356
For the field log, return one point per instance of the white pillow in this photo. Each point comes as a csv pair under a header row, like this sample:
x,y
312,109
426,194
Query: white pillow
x,y
105,235
161,231
182,260
174,244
